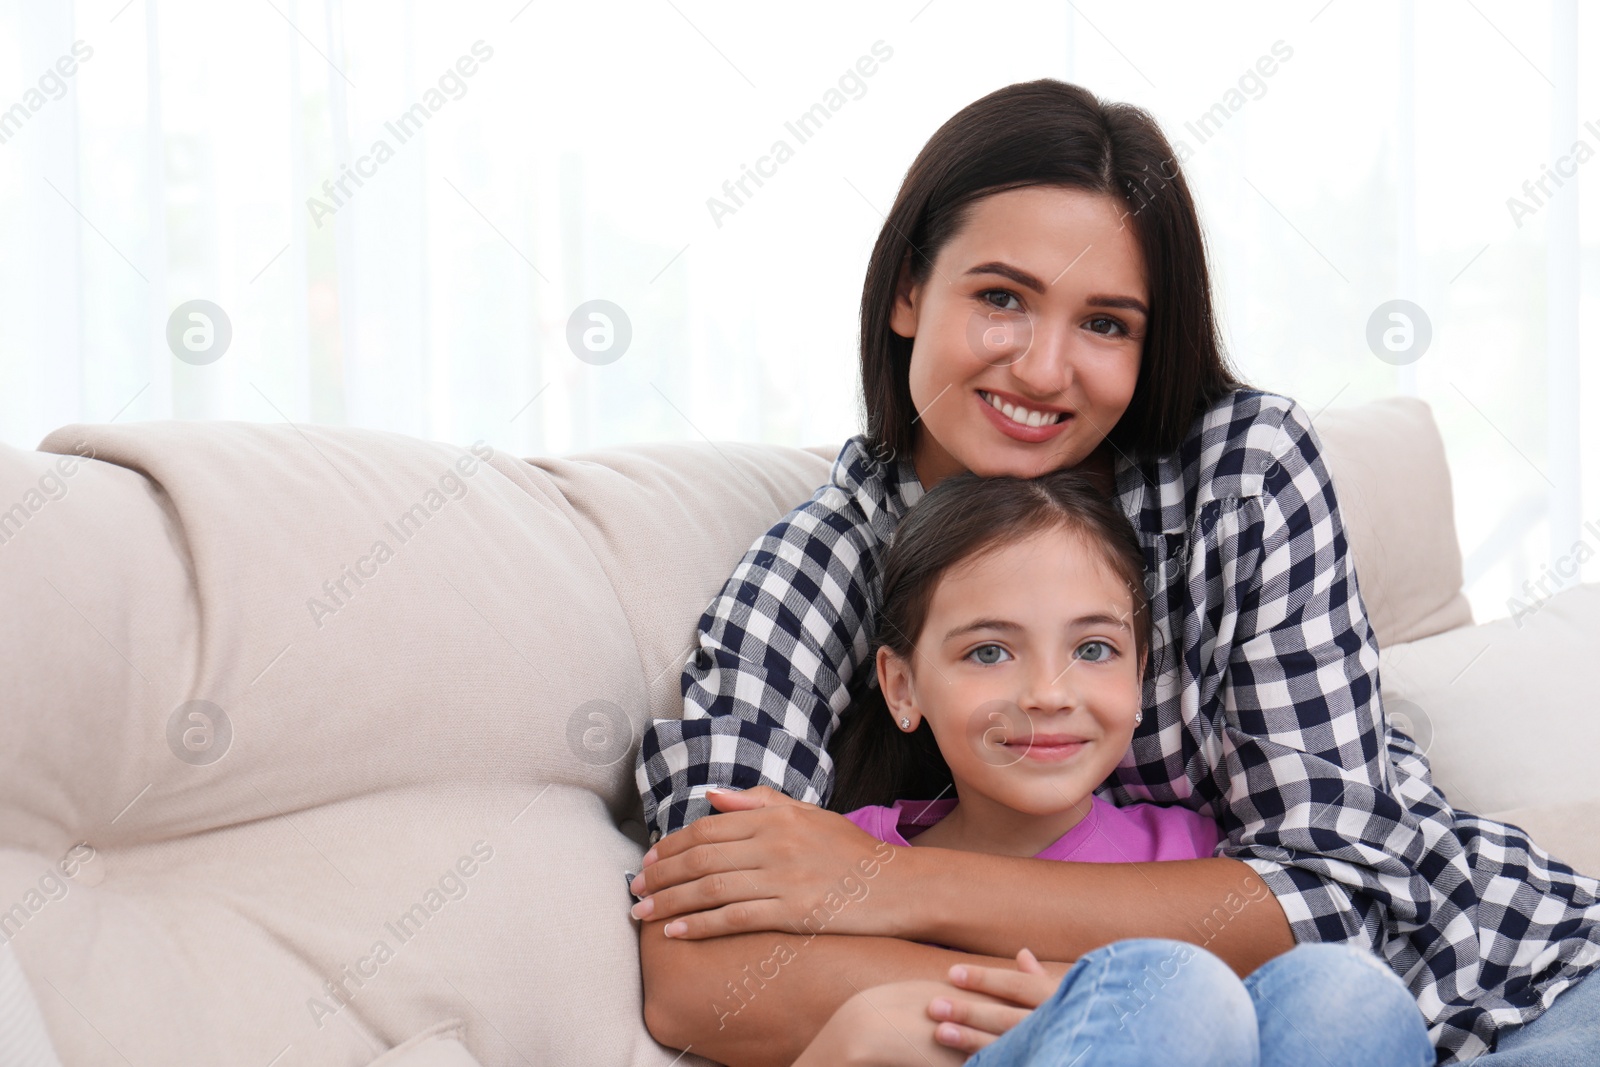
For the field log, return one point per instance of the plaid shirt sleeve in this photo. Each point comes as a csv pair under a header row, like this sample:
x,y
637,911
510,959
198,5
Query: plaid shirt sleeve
x,y
1307,797
778,646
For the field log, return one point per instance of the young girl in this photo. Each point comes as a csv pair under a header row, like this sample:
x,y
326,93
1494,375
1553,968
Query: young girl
x,y
1038,299
1012,643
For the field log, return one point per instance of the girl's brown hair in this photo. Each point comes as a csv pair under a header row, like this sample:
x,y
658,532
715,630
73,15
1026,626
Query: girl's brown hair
x,y
960,519
1048,132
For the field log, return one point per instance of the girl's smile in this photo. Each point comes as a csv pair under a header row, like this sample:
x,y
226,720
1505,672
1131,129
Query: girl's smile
x,y
1048,748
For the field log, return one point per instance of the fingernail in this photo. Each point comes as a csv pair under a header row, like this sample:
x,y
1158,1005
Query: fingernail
x,y
649,857
637,885
675,929
948,1033
958,973
643,909
941,1008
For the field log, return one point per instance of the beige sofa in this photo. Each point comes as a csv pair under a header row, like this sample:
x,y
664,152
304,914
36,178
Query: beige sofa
x,y
317,743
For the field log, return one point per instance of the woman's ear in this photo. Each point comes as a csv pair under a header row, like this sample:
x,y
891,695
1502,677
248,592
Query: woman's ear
x,y
907,295
894,681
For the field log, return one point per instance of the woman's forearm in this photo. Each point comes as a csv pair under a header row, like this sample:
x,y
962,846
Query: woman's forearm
x,y
1061,910
757,1000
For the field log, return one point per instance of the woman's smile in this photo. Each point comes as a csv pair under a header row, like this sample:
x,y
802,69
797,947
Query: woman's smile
x,y
1019,421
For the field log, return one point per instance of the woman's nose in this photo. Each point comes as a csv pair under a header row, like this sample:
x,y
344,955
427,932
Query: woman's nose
x,y
1046,367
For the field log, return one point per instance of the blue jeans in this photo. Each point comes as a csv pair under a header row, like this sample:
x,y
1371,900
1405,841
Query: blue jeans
x,y
1566,1035
1153,1001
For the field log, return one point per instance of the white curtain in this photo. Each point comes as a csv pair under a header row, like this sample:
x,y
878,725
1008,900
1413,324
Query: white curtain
x,y
399,207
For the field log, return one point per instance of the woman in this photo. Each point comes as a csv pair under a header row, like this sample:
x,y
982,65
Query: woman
x,y
1038,298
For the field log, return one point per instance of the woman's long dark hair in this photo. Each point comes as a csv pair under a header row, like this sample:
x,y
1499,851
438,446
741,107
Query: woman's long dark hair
x,y
1048,132
959,519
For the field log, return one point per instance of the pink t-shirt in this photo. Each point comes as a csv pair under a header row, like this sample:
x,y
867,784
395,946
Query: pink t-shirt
x,y
1108,834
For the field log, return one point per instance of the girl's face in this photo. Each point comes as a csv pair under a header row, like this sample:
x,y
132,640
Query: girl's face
x,y
1039,302
1026,672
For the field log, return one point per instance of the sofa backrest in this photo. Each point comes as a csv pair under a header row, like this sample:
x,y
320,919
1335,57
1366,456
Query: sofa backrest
x,y
1389,471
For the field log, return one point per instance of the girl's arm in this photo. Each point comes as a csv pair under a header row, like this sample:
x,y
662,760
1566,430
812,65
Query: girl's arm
x,y
891,1025
758,1000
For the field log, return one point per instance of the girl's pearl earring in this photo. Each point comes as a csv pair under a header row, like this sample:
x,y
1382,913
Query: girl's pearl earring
x,y
905,724
1138,717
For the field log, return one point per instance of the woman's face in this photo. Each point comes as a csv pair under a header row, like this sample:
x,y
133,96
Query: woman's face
x,y
1040,302
1027,672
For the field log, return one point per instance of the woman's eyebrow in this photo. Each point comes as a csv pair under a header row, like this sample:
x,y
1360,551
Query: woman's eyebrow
x,y
1127,302
1028,281
1006,270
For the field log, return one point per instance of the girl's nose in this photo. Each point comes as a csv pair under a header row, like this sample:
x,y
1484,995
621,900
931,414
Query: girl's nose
x,y
1052,687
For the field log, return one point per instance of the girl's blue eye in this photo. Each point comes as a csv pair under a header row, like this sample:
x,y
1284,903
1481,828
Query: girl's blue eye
x,y
1109,651
986,648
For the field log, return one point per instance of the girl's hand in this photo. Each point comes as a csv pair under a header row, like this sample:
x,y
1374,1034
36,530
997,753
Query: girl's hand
x,y
1007,997
885,1026
768,862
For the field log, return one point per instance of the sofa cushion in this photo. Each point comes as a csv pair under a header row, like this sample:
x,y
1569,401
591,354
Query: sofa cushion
x,y
1502,709
437,1046
24,1042
668,523
305,697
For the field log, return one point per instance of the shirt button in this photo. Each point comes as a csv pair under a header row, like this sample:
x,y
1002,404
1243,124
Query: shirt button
x,y
703,659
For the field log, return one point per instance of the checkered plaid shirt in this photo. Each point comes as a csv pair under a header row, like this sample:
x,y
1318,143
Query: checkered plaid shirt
x,y
1266,713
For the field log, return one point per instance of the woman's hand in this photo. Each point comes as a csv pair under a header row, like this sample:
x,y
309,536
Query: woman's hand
x,y
971,1023
768,862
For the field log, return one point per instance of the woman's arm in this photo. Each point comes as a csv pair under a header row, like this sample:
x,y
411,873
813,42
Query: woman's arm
x,y
1061,910
758,1000
778,864
775,652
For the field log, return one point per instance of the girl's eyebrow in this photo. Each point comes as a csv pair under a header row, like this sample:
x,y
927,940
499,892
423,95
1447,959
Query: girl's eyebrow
x,y
1028,281
1007,626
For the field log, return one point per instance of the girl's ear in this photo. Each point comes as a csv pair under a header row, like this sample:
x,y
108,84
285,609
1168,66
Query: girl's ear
x,y
903,320
894,681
